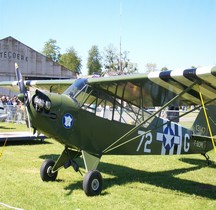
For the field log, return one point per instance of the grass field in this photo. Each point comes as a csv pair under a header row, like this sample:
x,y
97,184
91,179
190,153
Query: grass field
x,y
130,182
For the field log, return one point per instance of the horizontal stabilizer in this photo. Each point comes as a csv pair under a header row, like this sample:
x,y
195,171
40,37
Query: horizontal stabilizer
x,y
202,143
202,138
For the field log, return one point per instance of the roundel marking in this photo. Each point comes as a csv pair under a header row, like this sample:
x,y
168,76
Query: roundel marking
x,y
67,120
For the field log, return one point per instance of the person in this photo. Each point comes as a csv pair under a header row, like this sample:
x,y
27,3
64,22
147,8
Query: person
x,y
3,99
8,101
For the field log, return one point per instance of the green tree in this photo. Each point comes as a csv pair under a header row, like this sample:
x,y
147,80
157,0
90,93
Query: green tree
x,y
117,63
164,68
51,50
94,61
110,59
150,67
127,67
71,61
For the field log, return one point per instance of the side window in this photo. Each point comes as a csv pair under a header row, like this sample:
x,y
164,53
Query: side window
x,y
111,108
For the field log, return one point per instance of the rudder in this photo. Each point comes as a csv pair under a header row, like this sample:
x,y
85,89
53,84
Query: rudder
x,y
200,126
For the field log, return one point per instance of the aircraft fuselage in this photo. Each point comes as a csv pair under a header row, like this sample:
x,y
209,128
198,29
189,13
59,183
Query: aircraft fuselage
x,y
82,129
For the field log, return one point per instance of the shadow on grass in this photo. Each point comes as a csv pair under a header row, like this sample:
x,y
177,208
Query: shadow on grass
x,y
6,128
50,156
24,142
165,179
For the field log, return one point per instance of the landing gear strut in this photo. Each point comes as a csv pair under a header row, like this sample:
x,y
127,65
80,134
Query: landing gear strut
x,y
206,157
92,182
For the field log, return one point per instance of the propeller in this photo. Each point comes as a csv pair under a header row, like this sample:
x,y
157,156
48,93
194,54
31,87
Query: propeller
x,y
20,82
23,96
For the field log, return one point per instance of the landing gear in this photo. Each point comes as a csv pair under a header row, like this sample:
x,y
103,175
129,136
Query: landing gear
x,y
92,183
207,158
46,171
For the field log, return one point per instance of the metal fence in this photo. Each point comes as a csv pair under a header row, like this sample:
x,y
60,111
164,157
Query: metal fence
x,y
15,113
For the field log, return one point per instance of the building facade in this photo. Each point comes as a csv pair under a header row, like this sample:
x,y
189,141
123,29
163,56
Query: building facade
x,y
32,64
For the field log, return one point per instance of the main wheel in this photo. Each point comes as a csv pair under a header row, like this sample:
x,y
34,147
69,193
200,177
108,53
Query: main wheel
x,y
46,171
92,183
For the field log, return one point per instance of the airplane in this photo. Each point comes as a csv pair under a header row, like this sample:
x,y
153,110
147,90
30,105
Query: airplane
x,y
93,117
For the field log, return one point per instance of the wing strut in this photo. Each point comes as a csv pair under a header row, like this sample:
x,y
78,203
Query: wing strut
x,y
206,116
114,144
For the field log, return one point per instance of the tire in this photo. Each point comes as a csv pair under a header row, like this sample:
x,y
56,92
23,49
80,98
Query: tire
x,y
92,183
46,171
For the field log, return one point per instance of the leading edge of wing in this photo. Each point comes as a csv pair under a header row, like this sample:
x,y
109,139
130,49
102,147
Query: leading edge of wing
x,y
10,85
136,89
57,86
179,79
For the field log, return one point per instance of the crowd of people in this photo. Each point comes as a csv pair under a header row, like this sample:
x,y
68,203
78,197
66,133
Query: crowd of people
x,y
13,107
7,101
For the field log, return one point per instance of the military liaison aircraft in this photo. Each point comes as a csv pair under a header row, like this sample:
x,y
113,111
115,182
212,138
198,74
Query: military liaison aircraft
x,y
109,115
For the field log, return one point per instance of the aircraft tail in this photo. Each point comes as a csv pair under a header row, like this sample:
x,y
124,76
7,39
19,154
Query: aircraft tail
x,y
200,127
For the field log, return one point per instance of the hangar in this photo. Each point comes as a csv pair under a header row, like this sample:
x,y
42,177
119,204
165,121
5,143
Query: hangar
x,y
33,64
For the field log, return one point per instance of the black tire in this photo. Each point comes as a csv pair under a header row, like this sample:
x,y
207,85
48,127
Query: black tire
x,y
46,171
92,183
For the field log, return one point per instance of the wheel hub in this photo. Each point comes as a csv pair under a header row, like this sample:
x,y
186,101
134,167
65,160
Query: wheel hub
x,y
49,171
95,184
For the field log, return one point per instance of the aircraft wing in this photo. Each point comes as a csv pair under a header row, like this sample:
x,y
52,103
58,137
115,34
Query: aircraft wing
x,y
157,88
143,90
57,86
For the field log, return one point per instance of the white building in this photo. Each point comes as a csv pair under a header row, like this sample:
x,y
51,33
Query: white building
x,y
32,64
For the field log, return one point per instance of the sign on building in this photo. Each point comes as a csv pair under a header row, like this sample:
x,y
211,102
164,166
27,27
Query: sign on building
x,y
33,64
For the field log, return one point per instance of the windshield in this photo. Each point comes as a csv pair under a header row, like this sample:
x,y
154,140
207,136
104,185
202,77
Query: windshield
x,y
76,87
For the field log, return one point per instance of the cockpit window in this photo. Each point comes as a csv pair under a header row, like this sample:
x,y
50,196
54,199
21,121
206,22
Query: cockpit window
x,y
76,88
105,105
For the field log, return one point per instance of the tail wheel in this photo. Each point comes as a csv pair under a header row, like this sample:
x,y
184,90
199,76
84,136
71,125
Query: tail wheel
x,y
46,171
92,183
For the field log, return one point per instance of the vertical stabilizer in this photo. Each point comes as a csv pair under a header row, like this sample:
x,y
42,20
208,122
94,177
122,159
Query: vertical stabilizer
x,y
200,126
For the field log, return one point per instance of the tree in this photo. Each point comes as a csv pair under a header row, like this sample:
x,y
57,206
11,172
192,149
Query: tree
x,y
110,59
164,68
94,61
51,50
116,63
127,67
150,67
71,60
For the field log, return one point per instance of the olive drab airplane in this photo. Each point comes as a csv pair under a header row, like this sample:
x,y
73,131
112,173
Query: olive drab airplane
x,y
93,117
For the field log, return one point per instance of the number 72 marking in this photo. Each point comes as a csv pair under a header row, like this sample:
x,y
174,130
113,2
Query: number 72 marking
x,y
146,140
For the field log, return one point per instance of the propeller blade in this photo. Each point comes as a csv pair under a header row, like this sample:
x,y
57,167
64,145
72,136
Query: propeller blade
x,y
28,122
23,91
20,80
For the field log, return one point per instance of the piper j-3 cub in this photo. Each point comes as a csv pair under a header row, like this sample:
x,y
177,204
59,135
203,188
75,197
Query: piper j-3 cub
x,y
93,117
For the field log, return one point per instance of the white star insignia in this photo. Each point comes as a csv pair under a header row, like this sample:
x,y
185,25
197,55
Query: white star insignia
x,y
168,140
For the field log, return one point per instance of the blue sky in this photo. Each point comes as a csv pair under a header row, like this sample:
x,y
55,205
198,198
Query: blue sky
x,y
171,33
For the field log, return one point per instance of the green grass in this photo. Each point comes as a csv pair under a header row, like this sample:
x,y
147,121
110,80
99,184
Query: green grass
x,y
130,182
13,127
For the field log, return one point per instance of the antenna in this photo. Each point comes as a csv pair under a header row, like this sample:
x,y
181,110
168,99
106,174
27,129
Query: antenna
x,y
120,53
